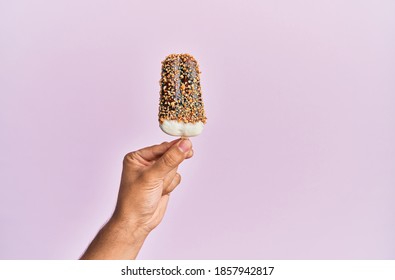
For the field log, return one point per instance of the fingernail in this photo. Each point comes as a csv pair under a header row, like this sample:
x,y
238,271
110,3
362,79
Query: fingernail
x,y
184,145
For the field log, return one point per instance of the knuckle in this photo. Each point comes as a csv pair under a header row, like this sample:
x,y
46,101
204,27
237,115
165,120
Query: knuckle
x,y
176,181
131,157
178,178
128,157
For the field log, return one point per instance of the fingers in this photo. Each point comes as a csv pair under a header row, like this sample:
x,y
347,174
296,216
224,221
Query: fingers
x,y
190,154
152,153
169,178
173,184
156,151
171,159
160,211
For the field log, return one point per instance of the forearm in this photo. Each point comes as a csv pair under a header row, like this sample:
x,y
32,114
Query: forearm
x,y
116,240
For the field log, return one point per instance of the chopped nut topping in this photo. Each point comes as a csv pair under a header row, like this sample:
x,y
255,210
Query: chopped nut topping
x,y
180,94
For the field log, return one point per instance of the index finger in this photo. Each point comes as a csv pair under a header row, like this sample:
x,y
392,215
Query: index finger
x,y
156,151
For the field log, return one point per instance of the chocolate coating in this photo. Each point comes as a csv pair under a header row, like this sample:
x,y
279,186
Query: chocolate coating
x,y
180,91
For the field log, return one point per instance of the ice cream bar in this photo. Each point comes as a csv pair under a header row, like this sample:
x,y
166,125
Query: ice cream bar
x,y
181,110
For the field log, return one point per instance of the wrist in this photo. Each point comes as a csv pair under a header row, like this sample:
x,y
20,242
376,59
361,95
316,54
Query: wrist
x,y
131,230
117,240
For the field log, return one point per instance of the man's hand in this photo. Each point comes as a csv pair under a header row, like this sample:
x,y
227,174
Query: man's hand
x,y
149,176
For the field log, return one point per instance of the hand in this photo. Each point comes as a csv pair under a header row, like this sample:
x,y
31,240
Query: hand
x,y
148,177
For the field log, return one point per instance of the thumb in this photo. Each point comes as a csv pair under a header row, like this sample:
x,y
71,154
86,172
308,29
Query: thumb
x,y
171,159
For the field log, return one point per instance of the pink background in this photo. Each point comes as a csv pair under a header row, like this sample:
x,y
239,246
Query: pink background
x,y
297,160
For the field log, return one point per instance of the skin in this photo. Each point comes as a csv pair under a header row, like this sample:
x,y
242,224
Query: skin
x,y
148,177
